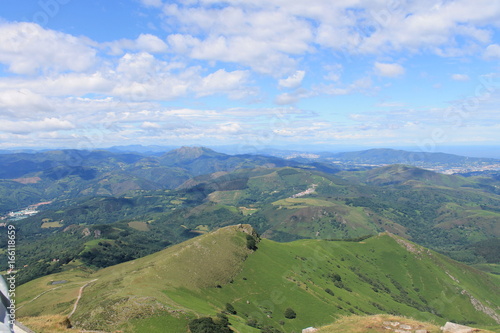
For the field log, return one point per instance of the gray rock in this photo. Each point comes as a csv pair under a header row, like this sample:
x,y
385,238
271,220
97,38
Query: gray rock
x,y
456,328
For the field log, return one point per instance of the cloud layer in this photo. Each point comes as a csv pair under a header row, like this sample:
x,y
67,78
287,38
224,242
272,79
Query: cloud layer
x,y
259,71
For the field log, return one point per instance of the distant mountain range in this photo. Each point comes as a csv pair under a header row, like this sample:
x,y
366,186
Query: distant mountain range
x,y
26,178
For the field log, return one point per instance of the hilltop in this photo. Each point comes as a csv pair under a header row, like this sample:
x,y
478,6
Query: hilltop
x,y
320,280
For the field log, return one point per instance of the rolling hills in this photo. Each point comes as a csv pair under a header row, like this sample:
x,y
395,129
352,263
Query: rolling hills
x,y
452,214
27,178
320,280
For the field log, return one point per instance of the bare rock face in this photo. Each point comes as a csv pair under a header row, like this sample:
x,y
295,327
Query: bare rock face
x,y
86,232
456,328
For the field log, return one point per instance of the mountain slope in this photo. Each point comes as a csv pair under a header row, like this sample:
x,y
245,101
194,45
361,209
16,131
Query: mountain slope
x,y
320,280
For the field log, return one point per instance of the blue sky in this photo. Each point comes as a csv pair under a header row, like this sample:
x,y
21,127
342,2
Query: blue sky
x,y
260,73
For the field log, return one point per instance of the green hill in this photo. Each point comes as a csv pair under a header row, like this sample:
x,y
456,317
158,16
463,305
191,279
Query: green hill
x,y
320,280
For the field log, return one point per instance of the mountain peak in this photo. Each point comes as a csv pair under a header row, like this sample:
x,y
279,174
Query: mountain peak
x,y
186,153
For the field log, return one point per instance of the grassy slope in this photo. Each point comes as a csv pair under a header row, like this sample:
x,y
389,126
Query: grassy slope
x,y
168,288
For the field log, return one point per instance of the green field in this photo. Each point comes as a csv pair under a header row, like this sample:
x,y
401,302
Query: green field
x,y
137,225
323,281
291,203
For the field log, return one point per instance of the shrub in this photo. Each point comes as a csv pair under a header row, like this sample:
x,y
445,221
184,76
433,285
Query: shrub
x,y
290,313
230,308
207,325
251,243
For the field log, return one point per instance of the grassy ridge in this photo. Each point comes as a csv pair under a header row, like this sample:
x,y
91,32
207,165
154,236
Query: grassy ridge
x,y
321,280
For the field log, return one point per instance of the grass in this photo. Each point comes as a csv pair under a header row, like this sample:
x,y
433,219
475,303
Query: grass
x,y
56,224
47,324
292,203
375,324
490,268
248,211
382,274
226,197
137,225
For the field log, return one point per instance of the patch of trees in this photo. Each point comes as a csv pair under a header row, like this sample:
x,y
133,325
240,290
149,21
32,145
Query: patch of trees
x,y
488,249
230,308
251,242
219,324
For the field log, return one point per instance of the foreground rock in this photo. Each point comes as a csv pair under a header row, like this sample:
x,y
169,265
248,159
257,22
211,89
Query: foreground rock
x,y
456,328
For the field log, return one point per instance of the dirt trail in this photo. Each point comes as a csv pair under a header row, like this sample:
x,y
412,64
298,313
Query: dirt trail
x,y
46,291
80,296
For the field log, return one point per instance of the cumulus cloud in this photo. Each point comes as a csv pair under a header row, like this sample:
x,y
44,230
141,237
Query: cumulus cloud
x,y
144,43
45,125
388,70
27,48
492,51
222,81
367,27
265,40
293,81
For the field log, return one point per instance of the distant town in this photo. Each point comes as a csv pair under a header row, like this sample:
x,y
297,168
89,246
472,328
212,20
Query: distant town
x,y
23,213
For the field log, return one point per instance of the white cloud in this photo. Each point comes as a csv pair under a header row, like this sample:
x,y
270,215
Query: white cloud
x,y
293,97
388,70
351,27
63,84
223,82
144,43
45,125
460,77
231,127
293,81
492,51
150,125
136,77
23,102
265,40
27,48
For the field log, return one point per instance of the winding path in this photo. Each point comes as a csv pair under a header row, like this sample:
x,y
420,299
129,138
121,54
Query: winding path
x,y
80,296
46,291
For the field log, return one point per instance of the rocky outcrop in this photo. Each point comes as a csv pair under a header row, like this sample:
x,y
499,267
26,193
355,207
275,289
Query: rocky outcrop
x,y
456,328
397,327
